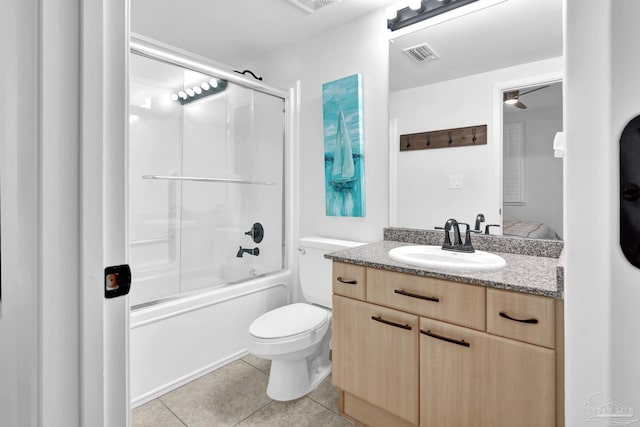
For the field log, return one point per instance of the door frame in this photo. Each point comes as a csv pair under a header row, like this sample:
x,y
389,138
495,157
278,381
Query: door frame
x,y
63,122
104,103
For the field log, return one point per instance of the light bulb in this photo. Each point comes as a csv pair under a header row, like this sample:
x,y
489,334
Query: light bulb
x,y
511,101
182,95
415,4
174,96
213,83
391,12
197,90
205,86
190,92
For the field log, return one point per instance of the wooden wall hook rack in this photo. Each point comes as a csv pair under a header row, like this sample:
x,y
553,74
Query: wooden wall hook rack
x,y
458,137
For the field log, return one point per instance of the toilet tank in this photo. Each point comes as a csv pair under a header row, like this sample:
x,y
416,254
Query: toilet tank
x,y
315,270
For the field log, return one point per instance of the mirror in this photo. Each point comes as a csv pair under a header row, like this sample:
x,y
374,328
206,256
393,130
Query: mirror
x,y
531,174
510,45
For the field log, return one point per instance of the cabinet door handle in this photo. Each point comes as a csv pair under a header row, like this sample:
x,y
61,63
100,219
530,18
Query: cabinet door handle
x,y
347,281
506,316
409,294
388,322
451,340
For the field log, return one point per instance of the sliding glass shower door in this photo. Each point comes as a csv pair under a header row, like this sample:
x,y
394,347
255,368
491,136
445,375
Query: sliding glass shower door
x,y
205,181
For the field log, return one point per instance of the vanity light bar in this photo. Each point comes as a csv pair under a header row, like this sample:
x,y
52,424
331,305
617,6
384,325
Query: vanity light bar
x,y
208,88
428,9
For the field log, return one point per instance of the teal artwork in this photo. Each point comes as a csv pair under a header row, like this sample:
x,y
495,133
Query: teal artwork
x,y
343,147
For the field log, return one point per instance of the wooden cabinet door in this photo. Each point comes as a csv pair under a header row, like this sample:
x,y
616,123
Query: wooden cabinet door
x,y
453,362
521,384
375,355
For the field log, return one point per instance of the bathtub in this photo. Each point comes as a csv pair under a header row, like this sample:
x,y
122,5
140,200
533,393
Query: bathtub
x,y
178,340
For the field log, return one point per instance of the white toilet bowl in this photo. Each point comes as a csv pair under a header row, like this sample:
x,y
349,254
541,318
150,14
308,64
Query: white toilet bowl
x,y
297,339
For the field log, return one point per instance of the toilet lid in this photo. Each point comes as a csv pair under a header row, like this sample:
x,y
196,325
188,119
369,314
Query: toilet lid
x,y
288,320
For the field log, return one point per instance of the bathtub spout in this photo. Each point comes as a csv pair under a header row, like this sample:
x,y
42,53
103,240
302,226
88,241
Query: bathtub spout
x,y
242,251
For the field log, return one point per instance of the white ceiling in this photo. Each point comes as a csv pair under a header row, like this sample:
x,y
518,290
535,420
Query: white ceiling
x,y
240,32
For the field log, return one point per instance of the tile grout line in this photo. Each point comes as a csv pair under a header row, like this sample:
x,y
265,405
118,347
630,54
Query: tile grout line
x,y
262,407
254,366
324,406
254,412
174,414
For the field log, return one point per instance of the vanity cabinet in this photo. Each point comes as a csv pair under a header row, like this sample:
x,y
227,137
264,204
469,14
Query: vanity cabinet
x,y
521,388
453,362
416,351
375,355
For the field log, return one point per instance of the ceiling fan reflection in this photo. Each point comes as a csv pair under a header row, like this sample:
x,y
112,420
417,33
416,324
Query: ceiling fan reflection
x,y
513,97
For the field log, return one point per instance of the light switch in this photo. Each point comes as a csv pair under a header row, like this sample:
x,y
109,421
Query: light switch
x,y
455,181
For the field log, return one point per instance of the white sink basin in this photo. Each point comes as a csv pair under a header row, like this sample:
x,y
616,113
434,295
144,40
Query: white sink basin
x,y
435,257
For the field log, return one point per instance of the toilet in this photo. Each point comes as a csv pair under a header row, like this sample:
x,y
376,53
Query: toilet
x,y
297,337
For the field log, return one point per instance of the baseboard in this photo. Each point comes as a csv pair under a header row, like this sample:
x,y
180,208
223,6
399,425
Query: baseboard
x,y
153,394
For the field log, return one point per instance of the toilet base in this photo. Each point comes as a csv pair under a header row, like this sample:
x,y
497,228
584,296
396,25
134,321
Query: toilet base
x,y
292,379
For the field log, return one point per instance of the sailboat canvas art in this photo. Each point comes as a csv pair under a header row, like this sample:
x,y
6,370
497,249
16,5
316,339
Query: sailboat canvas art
x,y
343,147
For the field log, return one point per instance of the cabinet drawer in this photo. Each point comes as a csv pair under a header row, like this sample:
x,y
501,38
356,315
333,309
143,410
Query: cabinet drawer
x,y
438,299
523,317
349,280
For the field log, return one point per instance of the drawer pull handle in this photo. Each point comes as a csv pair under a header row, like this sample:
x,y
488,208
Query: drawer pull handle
x,y
347,281
388,322
451,340
506,316
409,294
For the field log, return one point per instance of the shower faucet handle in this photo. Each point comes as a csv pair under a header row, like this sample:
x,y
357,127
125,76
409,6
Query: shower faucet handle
x,y
256,232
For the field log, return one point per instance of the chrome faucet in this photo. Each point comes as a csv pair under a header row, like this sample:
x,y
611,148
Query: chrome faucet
x,y
242,251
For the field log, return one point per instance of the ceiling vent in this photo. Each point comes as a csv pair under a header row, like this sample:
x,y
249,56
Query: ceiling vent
x,y
421,53
311,6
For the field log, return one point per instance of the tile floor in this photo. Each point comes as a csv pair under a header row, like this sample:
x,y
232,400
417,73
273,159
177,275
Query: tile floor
x,y
235,395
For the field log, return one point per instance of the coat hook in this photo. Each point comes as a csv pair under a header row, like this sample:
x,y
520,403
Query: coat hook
x,y
408,145
428,140
450,139
473,132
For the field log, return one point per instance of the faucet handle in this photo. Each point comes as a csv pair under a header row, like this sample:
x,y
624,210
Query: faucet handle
x,y
486,229
447,240
467,246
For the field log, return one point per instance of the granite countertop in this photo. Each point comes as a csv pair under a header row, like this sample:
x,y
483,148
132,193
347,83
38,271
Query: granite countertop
x,y
538,272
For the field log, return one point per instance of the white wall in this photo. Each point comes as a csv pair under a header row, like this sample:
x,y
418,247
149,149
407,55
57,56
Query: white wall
x,y
424,199
359,47
19,124
625,279
602,288
542,171
40,308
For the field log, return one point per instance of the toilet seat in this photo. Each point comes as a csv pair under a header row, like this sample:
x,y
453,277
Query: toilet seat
x,y
289,322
